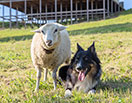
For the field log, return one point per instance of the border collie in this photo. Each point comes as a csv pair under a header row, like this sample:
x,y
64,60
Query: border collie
x,y
83,73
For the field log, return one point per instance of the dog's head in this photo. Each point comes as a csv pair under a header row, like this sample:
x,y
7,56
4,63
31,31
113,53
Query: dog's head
x,y
84,60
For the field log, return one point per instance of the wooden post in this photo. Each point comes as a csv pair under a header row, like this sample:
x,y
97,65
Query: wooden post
x,y
96,3
76,10
92,9
31,15
104,9
46,11
87,10
40,9
25,6
10,14
37,17
17,17
52,10
115,8
96,7
111,6
3,24
66,13
118,7
71,11
108,8
81,8
56,10
61,10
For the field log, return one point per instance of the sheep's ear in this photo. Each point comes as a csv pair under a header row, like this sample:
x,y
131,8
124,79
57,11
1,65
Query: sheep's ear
x,y
62,27
37,31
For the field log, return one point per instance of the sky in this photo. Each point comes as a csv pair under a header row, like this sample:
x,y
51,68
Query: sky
x,y
6,12
127,5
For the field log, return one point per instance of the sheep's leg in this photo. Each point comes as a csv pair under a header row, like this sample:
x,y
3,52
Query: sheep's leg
x,y
45,74
38,79
54,78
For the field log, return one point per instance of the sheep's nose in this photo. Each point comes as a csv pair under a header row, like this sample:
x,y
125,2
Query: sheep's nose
x,y
49,42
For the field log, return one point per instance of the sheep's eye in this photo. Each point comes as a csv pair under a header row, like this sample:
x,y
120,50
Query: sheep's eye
x,y
55,31
43,32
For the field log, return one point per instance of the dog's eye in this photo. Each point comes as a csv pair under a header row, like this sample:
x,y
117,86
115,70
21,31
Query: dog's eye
x,y
43,32
77,59
55,31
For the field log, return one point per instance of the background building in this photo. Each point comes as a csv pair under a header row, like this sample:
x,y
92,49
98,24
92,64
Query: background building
x,y
43,11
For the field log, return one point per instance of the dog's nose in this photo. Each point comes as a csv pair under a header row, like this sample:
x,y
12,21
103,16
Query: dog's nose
x,y
79,67
49,42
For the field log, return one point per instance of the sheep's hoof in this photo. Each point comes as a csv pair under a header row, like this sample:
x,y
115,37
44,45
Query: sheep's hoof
x,y
92,91
68,93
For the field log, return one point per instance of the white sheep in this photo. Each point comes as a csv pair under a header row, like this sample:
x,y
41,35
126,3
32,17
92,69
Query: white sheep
x,y
49,49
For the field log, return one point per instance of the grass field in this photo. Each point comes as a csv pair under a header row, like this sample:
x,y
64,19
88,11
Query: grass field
x,y
113,39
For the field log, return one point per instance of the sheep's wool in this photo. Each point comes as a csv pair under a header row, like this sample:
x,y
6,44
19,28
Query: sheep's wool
x,y
61,48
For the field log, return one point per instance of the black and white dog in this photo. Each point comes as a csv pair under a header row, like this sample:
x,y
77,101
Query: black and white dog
x,y
83,73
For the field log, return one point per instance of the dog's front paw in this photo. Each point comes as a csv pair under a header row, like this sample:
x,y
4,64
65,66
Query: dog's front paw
x,y
68,93
92,91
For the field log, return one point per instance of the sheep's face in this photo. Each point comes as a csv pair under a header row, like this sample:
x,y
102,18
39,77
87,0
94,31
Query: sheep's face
x,y
51,34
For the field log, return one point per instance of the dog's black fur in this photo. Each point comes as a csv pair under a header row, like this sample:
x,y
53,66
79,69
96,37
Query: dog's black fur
x,y
84,71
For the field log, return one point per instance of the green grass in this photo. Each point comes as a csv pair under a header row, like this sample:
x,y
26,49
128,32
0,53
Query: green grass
x,y
113,45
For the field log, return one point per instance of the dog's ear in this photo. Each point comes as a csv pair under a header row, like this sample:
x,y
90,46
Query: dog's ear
x,y
92,48
79,48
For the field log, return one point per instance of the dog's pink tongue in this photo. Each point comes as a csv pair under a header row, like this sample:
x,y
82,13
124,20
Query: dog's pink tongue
x,y
81,76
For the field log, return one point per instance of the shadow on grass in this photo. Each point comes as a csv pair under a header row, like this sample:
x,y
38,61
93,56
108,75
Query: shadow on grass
x,y
16,38
126,27
123,84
